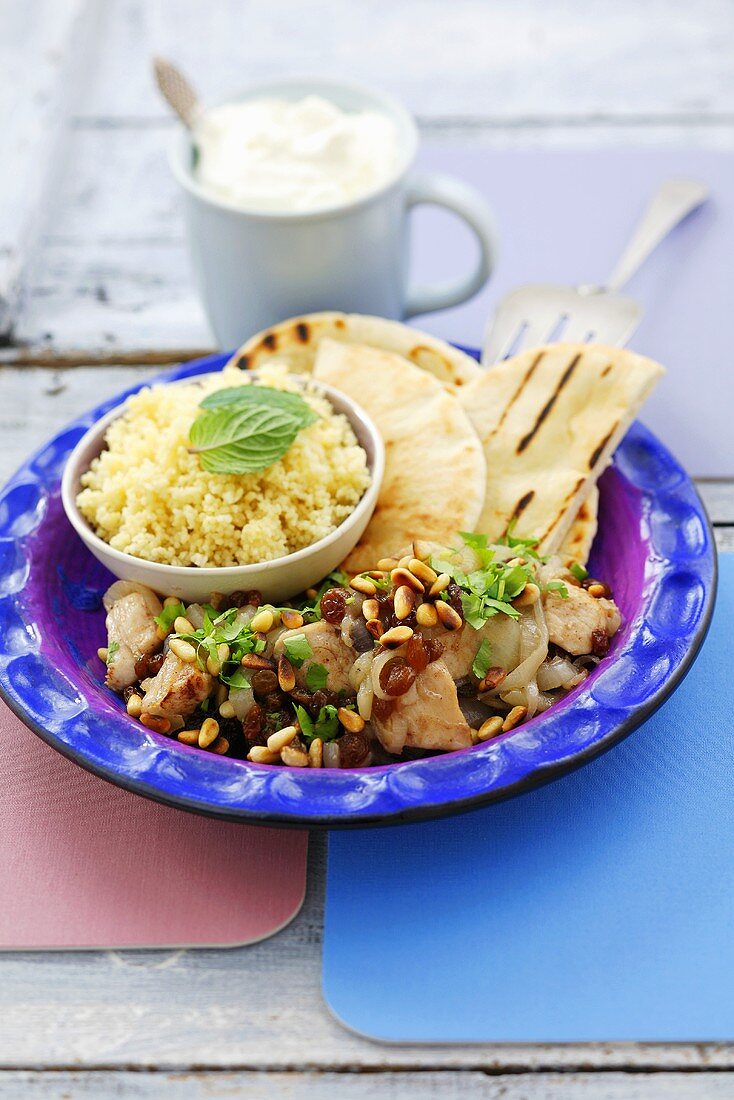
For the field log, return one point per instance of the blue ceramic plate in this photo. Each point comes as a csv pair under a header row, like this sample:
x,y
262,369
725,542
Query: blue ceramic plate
x,y
654,547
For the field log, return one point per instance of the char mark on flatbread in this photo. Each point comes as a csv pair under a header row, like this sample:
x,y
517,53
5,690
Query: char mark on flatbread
x,y
549,404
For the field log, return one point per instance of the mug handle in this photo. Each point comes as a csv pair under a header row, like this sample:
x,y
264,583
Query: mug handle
x,y
467,202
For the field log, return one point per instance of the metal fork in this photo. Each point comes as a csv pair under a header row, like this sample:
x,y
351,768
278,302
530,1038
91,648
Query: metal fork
x,y
541,313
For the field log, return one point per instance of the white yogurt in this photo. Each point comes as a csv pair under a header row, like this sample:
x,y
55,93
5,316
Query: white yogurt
x,y
280,155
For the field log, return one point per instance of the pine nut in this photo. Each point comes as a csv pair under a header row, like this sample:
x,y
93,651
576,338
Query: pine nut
x,y
387,564
401,575
311,593
375,627
183,650
405,561
422,571
181,625
281,738
350,720
286,675
258,662
529,595
263,621
363,585
223,652
171,601
258,754
490,728
213,667
103,653
441,583
291,619
421,550
514,718
208,733
226,710
316,753
220,746
398,635
221,694
426,615
449,619
293,757
597,590
188,737
403,601
371,609
134,706
156,723
492,679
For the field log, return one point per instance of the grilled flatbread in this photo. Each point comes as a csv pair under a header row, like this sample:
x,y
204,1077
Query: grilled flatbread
x,y
435,473
578,542
549,421
297,341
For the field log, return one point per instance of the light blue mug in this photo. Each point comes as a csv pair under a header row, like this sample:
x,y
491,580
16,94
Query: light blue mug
x,y
256,268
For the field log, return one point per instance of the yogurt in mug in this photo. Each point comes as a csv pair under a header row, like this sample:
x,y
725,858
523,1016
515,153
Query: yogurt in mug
x,y
278,155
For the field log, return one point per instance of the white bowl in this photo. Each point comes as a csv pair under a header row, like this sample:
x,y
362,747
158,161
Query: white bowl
x,y
278,579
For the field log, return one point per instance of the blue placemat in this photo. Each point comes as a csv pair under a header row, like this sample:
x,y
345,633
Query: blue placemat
x,y
600,907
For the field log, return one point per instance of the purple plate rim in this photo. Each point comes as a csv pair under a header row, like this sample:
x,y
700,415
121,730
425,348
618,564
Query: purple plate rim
x,y
379,796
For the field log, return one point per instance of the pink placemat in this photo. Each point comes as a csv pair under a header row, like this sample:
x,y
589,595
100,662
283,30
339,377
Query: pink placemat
x,y
84,864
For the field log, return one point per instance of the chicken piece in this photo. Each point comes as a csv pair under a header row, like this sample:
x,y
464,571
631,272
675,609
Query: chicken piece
x,y
328,650
132,633
177,689
573,621
460,646
426,717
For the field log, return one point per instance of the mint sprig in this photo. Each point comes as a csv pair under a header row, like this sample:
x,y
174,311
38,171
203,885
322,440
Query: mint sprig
x,y
246,429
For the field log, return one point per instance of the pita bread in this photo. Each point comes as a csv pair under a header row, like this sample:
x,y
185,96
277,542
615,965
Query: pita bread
x,y
435,473
579,540
297,341
549,421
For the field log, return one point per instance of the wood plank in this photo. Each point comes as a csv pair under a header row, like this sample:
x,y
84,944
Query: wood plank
x,y
469,1085
37,86
506,60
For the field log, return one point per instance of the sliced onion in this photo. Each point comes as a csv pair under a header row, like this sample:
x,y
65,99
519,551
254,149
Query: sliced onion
x,y
365,698
119,589
242,699
360,637
195,615
533,649
360,670
378,664
559,672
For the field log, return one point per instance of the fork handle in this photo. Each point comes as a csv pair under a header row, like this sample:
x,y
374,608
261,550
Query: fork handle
x,y
670,204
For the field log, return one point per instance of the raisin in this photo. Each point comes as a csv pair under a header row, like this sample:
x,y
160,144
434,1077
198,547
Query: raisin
x,y
253,725
453,597
324,698
149,666
396,677
416,653
382,708
354,750
128,692
599,643
334,605
301,696
264,683
434,648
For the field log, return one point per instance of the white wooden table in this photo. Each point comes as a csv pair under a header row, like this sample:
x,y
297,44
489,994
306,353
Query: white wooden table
x,y
95,290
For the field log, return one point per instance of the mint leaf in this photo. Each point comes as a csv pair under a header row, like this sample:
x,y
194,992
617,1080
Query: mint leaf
x,y
316,677
291,403
248,435
482,661
297,649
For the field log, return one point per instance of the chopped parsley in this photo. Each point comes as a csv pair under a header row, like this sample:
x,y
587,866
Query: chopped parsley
x,y
482,661
297,649
316,677
227,629
490,589
578,571
326,725
559,587
113,648
169,615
